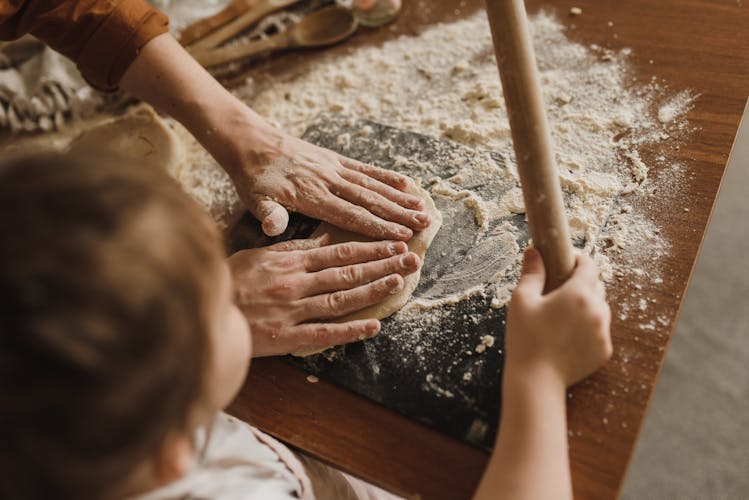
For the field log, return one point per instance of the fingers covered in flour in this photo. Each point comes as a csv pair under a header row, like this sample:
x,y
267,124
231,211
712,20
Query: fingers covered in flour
x,y
357,218
394,179
383,207
402,198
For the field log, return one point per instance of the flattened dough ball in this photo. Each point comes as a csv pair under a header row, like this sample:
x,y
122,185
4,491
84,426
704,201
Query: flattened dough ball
x,y
139,135
418,244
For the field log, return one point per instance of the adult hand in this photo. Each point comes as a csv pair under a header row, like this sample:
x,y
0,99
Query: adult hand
x,y
291,174
286,290
566,330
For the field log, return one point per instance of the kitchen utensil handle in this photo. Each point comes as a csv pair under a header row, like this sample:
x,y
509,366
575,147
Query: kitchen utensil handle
x,y
237,25
223,55
201,28
531,138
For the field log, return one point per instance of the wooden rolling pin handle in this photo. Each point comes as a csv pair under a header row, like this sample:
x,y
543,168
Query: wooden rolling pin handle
x,y
531,138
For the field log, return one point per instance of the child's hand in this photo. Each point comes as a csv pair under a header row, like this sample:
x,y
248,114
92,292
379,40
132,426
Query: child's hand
x,y
286,289
566,330
552,341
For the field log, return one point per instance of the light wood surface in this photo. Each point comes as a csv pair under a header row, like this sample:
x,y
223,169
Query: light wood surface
x,y
252,15
693,44
201,28
531,138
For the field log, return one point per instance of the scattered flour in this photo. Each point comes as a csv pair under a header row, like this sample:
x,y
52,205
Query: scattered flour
x,y
432,384
675,107
205,180
486,341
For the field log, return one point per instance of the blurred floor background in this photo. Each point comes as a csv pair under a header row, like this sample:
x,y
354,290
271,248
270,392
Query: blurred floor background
x,y
695,442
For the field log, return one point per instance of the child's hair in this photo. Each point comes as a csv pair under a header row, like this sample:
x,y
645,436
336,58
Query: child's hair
x,y
105,272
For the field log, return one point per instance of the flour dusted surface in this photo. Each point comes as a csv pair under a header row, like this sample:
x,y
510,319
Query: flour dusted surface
x,y
444,82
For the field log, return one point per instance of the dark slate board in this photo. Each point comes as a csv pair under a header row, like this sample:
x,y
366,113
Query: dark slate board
x,y
424,366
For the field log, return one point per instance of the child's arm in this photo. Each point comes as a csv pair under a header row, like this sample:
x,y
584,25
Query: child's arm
x,y
530,458
552,342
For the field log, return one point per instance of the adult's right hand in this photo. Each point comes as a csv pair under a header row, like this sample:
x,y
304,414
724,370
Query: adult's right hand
x,y
289,289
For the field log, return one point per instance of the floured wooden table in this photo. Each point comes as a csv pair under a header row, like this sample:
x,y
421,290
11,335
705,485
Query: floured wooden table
x,y
699,46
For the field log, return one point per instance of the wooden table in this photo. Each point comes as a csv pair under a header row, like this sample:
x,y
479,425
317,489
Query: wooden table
x,y
694,44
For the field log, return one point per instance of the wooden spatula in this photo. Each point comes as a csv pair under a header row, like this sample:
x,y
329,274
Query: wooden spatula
x,y
531,138
203,27
323,27
261,9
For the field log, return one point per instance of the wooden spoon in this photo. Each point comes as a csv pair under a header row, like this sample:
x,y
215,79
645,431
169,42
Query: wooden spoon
x,y
323,27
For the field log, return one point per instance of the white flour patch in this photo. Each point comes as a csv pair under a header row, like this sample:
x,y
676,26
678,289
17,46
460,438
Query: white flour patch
x,y
675,107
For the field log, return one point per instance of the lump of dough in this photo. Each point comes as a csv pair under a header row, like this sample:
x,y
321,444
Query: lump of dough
x,y
138,135
418,244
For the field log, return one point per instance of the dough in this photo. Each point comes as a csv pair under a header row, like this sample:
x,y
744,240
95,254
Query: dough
x,y
418,244
138,135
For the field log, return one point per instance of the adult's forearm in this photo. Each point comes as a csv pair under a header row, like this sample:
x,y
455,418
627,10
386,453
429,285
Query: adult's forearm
x,y
530,459
273,172
167,77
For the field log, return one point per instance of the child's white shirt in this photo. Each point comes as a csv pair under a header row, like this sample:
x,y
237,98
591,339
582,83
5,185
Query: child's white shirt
x,y
235,461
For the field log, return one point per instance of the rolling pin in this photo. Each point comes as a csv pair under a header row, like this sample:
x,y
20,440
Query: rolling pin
x,y
531,138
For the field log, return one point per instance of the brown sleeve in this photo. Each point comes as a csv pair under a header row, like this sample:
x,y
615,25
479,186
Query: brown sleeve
x,y
103,37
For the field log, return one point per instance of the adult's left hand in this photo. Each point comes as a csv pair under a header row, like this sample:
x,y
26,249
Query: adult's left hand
x,y
294,175
273,172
